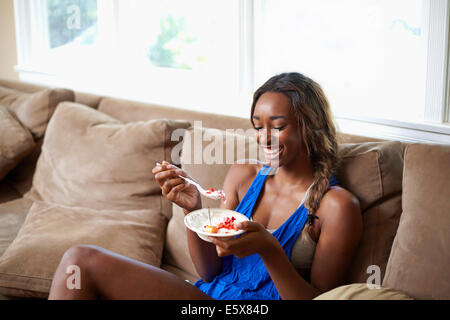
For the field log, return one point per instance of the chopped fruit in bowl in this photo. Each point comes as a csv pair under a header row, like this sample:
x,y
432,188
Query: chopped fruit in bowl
x,y
221,223
223,226
211,229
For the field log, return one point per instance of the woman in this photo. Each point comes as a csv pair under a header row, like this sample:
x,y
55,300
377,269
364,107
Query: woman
x,y
294,127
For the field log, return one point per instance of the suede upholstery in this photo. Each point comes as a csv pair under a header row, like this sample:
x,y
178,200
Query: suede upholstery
x,y
112,192
420,256
128,111
28,265
13,210
373,173
16,142
360,291
92,160
34,110
91,100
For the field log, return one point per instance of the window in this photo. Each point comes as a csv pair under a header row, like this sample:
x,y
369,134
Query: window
x,y
71,22
157,51
383,64
182,47
369,55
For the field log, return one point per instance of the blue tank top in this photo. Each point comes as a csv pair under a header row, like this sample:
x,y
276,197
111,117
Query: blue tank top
x,y
247,278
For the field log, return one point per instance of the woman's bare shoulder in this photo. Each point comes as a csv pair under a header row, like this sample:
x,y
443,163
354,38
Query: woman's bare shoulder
x,y
239,174
339,204
238,177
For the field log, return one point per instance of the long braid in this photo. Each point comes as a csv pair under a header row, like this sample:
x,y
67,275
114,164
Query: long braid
x,y
322,174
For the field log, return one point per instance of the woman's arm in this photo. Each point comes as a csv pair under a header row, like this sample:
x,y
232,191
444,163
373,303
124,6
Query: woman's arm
x,y
340,234
175,189
204,255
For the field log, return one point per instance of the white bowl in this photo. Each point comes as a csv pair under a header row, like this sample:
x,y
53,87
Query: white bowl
x,y
195,220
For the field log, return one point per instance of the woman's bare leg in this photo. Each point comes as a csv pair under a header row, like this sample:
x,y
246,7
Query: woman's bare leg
x,y
107,275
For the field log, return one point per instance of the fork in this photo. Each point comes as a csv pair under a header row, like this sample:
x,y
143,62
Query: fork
x,y
199,187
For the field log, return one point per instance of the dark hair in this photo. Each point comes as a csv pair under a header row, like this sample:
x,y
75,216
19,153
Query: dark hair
x,y
315,122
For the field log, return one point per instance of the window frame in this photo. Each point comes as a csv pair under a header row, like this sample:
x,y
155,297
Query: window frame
x,y
437,81
434,129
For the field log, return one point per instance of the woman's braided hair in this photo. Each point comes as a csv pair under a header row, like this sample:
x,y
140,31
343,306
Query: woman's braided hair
x,y
317,129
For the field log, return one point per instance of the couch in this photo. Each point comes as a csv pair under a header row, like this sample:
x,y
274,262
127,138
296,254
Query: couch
x,y
81,174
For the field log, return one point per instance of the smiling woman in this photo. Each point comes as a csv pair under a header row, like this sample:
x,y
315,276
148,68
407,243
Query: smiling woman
x,y
259,263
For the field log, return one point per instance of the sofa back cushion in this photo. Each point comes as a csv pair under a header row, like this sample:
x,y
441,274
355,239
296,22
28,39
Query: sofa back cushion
x,y
89,99
22,86
34,110
420,258
93,185
16,142
90,159
372,171
128,111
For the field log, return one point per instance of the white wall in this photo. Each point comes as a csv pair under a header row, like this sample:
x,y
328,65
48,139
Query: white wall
x,y
8,50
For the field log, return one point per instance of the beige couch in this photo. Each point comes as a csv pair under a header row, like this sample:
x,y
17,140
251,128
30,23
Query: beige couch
x,y
404,191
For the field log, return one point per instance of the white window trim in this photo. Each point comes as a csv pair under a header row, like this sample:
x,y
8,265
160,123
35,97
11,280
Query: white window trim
x,y
395,130
436,92
435,129
246,46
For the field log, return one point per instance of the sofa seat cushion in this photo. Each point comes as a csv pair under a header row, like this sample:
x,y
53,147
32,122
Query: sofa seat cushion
x,y
89,159
12,216
28,265
373,171
16,142
34,110
420,257
360,291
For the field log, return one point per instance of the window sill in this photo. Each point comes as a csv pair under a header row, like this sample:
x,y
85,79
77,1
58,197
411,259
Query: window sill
x,y
395,130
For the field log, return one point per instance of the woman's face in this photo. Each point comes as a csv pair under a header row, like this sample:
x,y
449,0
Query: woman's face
x,y
277,129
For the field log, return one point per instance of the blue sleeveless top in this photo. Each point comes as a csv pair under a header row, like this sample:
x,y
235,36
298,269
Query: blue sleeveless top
x,y
247,278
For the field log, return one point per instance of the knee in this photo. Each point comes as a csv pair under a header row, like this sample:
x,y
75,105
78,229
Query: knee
x,y
80,255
